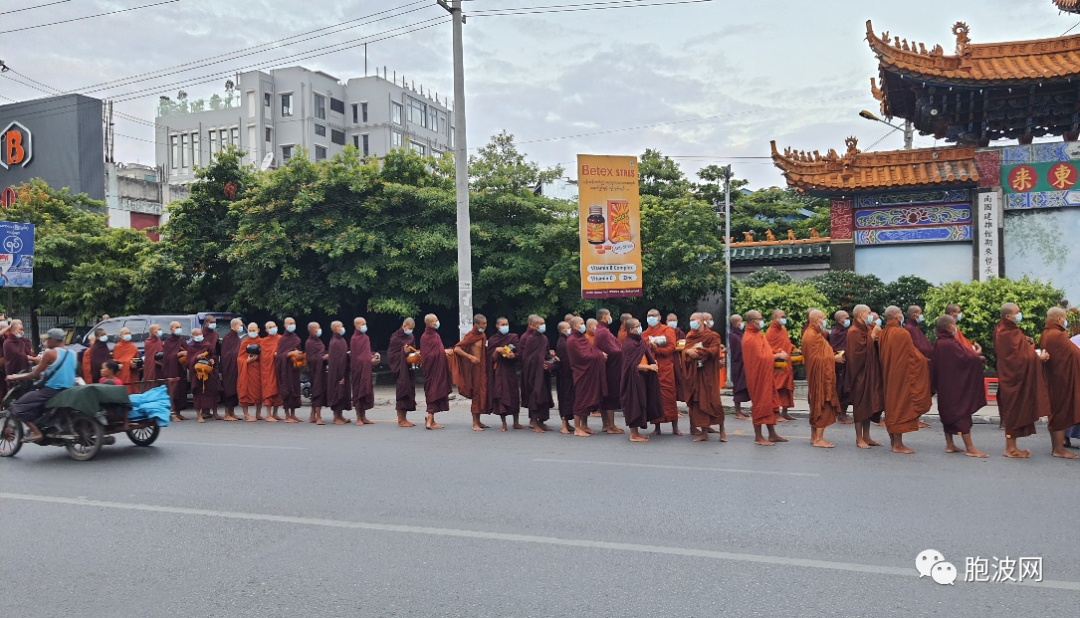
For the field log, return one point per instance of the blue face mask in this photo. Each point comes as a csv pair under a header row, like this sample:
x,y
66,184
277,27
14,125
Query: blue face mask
x,y
742,325
272,331
177,331
253,334
761,324
479,330
363,328
291,328
652,320
197,339
318,333
711,323
212,326
920,319
694,325
824,324
240,329
783,321
582,329
847,323
869,319
1019,317
637,331
408,331
541,329
127,337
673,324
437,324
959,316
503,330
877,322
103,338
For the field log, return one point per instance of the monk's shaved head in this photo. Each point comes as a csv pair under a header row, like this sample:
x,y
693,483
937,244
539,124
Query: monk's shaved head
x,y
603,313
696,316
815,316
270,325
564,326
125,331
914,311
336,325
624,317
568,317
196,332
706,315
632,324
254,326
236,322
358,322
735,320
653,313
430,319
173,325
860,312
535,320
892,312
1056,313
576,322
753,316
313,329
98,332
945,322
591,325
1009,310
408,323
840,316
478,318
777,314
952,309
671,317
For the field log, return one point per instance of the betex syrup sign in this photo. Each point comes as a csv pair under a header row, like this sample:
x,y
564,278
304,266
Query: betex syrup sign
x,y
16,146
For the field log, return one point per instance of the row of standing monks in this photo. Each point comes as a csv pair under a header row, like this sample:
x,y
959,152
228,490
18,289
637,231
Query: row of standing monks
x,y
893,371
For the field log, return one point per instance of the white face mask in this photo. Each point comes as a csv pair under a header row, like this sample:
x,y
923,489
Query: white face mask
x,y
408,331
103,338
177,331
291,328
126,337
582,329
253,333
363,328
319,333
272,331
212,326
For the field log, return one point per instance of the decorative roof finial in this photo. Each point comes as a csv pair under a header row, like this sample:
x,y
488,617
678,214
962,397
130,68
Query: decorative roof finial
x,y
961,30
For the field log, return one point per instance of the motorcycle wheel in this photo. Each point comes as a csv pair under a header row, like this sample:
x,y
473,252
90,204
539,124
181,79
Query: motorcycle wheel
x,y
144,436
90,436
11,435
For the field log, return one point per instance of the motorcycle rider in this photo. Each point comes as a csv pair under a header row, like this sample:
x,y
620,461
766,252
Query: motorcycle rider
x,y
58,365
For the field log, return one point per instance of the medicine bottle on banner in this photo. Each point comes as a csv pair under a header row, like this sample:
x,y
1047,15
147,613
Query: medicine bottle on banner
x,y
594,226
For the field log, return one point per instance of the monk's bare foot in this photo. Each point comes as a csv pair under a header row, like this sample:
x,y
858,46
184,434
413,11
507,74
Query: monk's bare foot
x,y
777,439
543,427
291,419
340,421
677,433
974,452
787,417
537,430
271,419
174,418
564,431
694,431
873,442
582,433
657,432
250,419
951,448
614,431
762,442
519,426
432,425
319,421
201,418
923,425
702,437
862,444
502,429
478,428
1065,454
711,430
638,438
781,419
217,417
360,422
723,436
483,426
230,417
844,419
596,414
821,443
365,421
739,416
880,424
903,450
589,431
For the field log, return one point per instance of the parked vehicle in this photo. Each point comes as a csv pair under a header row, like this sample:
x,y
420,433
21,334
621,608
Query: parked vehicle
x,y
140,327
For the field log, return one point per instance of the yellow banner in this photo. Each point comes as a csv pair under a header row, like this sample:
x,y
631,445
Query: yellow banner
x,y
609,219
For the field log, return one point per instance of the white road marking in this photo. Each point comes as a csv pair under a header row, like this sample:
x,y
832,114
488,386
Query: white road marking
x,y
501,536
666,467
282,448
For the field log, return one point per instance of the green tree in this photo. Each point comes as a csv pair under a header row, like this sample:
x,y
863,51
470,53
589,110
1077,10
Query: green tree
x,y
660,176
779,210
499,167
844,289
981,303
765,275
906,291
795,299
711,191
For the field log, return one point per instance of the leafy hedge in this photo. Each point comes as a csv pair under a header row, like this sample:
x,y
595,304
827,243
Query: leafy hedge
x,y
794,298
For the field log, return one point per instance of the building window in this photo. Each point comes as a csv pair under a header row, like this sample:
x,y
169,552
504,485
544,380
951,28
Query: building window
x,y
286,105
269,135
433,119
442,121
213,143
266,99
436,153
320,130
196,156
355,113
417,112
453,131
395,112
185,154
224,138
286,153
337,137
363,110
395,140
175,143
356,142
235,136
337,105
320,153
251,103
367,145
419,149
320,107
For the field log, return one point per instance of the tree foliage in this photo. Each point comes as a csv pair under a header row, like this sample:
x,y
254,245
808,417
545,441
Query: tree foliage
x,y
795,299
906,291
499,167
779,210
844,289
661,176
765,275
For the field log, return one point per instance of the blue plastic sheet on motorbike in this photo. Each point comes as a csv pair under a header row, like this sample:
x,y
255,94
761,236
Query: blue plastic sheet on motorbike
x,y
91,400
154,404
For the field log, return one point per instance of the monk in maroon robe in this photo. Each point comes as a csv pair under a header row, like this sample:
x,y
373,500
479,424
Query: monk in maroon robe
x,y
286,372
564,379
230,349
174,371
205,384
361,362
913,325
338,384
536,366
1062,379
639,393
740,393
1022,394
504,395
590,383
210,332
99,353
315,352
608,344
470,369
956,376
863,375
438,383
838,340
662,343
151,348
906,374
17,350
402,342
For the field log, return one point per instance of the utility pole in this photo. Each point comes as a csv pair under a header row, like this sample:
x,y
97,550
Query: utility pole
x,y
461,173
727,261
909,134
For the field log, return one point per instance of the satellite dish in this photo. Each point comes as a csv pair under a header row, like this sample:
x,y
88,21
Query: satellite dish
x,y
267,161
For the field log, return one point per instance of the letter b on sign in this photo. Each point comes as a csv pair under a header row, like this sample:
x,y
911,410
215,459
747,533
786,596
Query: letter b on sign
x,y
16,146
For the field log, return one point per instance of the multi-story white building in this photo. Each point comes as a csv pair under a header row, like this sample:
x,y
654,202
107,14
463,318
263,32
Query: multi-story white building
x,y
286,111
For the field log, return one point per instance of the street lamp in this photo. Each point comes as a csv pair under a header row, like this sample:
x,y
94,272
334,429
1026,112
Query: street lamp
x,y
908,128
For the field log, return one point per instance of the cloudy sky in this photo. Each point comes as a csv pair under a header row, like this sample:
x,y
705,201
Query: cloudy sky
x,y
706,82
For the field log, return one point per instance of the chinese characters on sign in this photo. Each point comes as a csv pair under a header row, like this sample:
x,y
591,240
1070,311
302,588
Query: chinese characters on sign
x,y
1005,569
987,223
1040,177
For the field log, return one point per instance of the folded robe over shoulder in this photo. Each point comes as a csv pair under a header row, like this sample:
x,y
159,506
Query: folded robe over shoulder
x,y
338,388
607,343
437,380
535,381
666,358
863,374
405,392
702,378
1062,377
230,348
640,390
590,380
922,344
956,376
778,338
287,376
820,360
363,388
758,363
906,375
315,351
271,394
738,374
564,380
504,395
1022,394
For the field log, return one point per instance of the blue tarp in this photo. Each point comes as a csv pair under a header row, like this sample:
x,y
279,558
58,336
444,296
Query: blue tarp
x,y
154,403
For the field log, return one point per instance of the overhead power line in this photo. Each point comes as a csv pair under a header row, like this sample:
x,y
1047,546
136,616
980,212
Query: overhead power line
x,y
30,8
539,10
68,21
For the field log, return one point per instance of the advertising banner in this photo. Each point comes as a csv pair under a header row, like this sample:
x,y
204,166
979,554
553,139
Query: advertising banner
x,y
609,216
16,255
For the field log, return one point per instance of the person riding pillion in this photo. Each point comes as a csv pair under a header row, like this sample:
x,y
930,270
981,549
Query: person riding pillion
x,y
58,364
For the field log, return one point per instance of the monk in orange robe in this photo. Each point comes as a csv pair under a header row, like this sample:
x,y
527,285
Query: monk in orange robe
x,y
271,396
124,352
622,327
906,372
699,359
759,359
470,373
249,374
1062,379
87,376
662,340
953,310
1022,394
821,362
778,338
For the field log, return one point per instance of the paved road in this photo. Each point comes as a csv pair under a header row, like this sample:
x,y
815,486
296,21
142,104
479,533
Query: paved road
x,y
238,519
